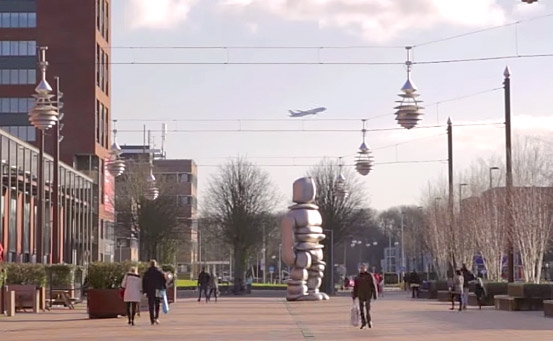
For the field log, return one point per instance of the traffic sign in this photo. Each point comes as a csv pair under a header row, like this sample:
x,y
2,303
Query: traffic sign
x,y
271,269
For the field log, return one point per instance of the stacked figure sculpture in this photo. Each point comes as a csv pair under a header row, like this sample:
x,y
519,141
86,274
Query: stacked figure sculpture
x,y
301,233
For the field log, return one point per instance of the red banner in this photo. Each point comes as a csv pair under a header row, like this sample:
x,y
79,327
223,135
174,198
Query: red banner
x,y
109,191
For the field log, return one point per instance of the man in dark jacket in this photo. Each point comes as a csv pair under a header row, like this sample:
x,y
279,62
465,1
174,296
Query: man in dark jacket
x,y
203,284
152,282
364,288
414,282
468,277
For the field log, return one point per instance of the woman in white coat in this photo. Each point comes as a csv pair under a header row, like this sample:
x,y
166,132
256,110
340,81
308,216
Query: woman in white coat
x,y
132,285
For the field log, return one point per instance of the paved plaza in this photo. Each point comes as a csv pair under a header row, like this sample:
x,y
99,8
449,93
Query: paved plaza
x,y
395,317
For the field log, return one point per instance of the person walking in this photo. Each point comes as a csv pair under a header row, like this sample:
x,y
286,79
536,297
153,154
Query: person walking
x,y
203,284
213,286
467,278
458,282
364,289
132,285
415,283
152,283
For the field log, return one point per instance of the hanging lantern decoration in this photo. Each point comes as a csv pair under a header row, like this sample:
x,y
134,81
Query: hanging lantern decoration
x,y
364,161
409,110
151,192
116,166
340,187
44,114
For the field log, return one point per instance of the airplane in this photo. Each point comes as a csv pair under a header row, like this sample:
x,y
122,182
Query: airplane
x,y
302,113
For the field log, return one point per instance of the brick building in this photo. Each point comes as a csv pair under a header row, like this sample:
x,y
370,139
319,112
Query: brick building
x,y
177,178
77,34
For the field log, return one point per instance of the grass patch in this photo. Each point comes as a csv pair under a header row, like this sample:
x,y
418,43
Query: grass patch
x,y
186,283
194,283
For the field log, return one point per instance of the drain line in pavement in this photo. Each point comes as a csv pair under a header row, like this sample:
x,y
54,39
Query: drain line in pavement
x,y
307,335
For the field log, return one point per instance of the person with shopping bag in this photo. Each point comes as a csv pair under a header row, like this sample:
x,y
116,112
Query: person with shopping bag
x,y
154,285
364,289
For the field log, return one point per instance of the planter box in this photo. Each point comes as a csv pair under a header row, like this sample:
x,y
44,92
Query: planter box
x,y
493,289
548,308
105,303
530,290
444,296
509,303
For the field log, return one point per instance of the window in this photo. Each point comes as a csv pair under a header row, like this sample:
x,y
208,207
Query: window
x,y
17,76
12,233
18,48
184,177
26,133
18,20
15,105
27,226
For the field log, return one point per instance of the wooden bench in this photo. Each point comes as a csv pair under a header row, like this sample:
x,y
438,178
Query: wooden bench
x,y
61,297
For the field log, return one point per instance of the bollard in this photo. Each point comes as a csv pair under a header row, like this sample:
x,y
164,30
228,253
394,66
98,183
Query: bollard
x,y
10,303
36,301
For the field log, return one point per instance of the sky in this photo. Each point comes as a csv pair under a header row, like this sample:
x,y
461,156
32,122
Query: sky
x,y
161,75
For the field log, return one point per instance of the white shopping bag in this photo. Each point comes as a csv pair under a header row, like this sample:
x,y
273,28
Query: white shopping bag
x,y
355,315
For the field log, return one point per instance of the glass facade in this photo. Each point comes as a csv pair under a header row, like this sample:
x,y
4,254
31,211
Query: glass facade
x,y
15,104
17,48
18,20
17,76
23,237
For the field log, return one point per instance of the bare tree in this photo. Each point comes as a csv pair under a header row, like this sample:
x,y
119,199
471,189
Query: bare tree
x,y
155,223
436,227
339,214
238,203
532,204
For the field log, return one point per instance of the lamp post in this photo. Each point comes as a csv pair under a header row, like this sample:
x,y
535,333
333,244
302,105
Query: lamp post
x,y
56,256
402,248
43,116
332,289
509,176
280,263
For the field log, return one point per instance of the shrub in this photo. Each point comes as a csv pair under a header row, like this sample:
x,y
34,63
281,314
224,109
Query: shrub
x,y
61,276
107,275
25,274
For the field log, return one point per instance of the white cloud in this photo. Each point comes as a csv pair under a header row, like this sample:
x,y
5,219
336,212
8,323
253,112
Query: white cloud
x,y
378,20
158,14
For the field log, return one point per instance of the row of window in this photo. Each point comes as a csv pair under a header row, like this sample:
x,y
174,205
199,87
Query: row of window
x,y
187,200
18,48
17,76
102,69
17,20
102,124
176,177
25,133
102,18
16,104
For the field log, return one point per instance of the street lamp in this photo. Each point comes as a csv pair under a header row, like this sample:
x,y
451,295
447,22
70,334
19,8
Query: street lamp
x,y
340,185
151,192
509,176
115,165
43,116
364,162
408,110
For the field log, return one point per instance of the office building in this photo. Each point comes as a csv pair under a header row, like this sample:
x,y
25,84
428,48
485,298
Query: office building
x,y
77,34
176,178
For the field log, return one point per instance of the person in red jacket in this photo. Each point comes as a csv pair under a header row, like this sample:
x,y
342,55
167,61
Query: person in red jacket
x,y
364,288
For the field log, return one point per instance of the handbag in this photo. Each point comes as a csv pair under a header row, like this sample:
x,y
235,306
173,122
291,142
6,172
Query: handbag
x,y
122,293
164,302
355,315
